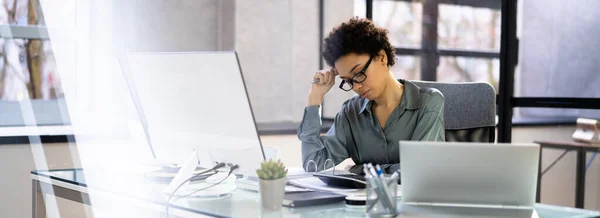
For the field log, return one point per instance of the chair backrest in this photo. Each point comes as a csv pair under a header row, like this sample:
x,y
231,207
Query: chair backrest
x,y
469,110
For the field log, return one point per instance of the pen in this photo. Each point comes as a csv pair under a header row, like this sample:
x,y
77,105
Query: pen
x,y
372,170
379,171
367,174
382,189
394,177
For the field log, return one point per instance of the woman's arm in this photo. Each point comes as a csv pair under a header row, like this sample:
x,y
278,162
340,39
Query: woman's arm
x,y
320,148
430,126
331,146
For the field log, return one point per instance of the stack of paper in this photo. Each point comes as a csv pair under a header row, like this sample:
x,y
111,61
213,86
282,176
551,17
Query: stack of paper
x,y
315,183
297,173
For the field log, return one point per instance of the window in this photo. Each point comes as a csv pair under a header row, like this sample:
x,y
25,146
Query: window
x,y
28,66
402,19
562,65
468,28
462,69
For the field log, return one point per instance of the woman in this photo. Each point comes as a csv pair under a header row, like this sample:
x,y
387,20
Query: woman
x,y
369,126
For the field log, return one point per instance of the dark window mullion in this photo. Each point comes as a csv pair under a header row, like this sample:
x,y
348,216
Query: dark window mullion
x,y
449,52
430,59
492,4
369,7
541,102
508,62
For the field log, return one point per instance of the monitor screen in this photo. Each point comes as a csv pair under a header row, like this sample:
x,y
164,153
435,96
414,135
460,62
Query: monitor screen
x,y
195,101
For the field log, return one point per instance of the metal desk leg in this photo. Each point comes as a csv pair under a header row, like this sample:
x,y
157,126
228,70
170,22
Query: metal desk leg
x,y
538,194
38,205
580,179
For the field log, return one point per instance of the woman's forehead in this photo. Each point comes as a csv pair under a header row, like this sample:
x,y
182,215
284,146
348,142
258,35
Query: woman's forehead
x,y
347,64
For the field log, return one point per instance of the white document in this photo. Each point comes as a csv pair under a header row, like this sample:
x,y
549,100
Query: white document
x,y
297,173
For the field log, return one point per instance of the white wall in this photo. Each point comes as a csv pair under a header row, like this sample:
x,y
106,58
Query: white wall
x,y
167,26
336,12
264,36
278,44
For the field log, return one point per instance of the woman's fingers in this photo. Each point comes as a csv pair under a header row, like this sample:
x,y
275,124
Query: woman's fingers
x,y
332,74
324,77
318,78
327,76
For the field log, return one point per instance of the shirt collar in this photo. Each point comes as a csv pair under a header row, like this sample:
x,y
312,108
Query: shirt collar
x,y
411,97
366,106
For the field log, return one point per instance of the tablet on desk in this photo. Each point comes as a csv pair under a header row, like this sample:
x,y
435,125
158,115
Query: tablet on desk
x,y
301,199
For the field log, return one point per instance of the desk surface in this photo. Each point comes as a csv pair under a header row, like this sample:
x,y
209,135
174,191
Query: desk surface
x,y
570,145
242,203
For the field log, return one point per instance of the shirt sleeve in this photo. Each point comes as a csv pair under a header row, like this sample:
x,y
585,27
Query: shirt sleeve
x,y
430,126
320,148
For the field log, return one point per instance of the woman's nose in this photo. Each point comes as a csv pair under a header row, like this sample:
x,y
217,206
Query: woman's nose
x,y
356,86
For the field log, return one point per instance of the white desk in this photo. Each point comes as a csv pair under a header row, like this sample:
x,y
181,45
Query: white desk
x,y
126,193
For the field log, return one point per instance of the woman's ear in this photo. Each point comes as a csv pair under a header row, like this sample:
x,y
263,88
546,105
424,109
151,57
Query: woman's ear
x,y
383,56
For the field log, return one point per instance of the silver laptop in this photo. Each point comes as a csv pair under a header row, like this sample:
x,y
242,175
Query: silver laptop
x,y
469,175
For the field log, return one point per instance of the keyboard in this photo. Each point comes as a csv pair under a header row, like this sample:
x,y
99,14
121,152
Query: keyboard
x,y
342,179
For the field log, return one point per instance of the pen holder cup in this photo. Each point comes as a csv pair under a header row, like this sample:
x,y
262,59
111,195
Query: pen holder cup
x,y
381,196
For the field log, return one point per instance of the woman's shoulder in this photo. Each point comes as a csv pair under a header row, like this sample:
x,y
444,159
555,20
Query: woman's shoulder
x,y
431,98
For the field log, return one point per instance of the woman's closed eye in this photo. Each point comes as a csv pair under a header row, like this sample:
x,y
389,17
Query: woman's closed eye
x,y
354,75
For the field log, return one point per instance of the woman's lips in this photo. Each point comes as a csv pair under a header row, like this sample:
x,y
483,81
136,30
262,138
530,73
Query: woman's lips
x,y
364,95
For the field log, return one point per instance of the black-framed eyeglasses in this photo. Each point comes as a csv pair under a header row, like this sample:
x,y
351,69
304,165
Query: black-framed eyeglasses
x,y
358,78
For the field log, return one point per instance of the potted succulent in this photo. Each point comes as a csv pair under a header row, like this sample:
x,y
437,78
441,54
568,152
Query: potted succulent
x,y
272,180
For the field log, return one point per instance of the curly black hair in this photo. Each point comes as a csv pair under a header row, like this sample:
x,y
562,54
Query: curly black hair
x,y
360,36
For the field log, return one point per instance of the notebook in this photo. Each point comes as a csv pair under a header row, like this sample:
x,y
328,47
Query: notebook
x,y
301,199
316,184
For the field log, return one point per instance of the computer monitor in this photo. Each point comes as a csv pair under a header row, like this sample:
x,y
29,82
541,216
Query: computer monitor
x,y
195,101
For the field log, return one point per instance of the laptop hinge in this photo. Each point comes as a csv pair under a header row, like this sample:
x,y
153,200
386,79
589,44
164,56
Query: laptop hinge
x,y
517,207
422,203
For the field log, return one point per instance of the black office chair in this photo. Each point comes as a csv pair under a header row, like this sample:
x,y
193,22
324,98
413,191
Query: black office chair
x,y
469,110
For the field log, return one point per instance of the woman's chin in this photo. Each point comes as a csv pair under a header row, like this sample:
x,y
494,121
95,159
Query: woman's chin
x,y
369,95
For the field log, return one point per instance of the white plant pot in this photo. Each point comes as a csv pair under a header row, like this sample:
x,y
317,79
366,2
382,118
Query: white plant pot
x,y
271,193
